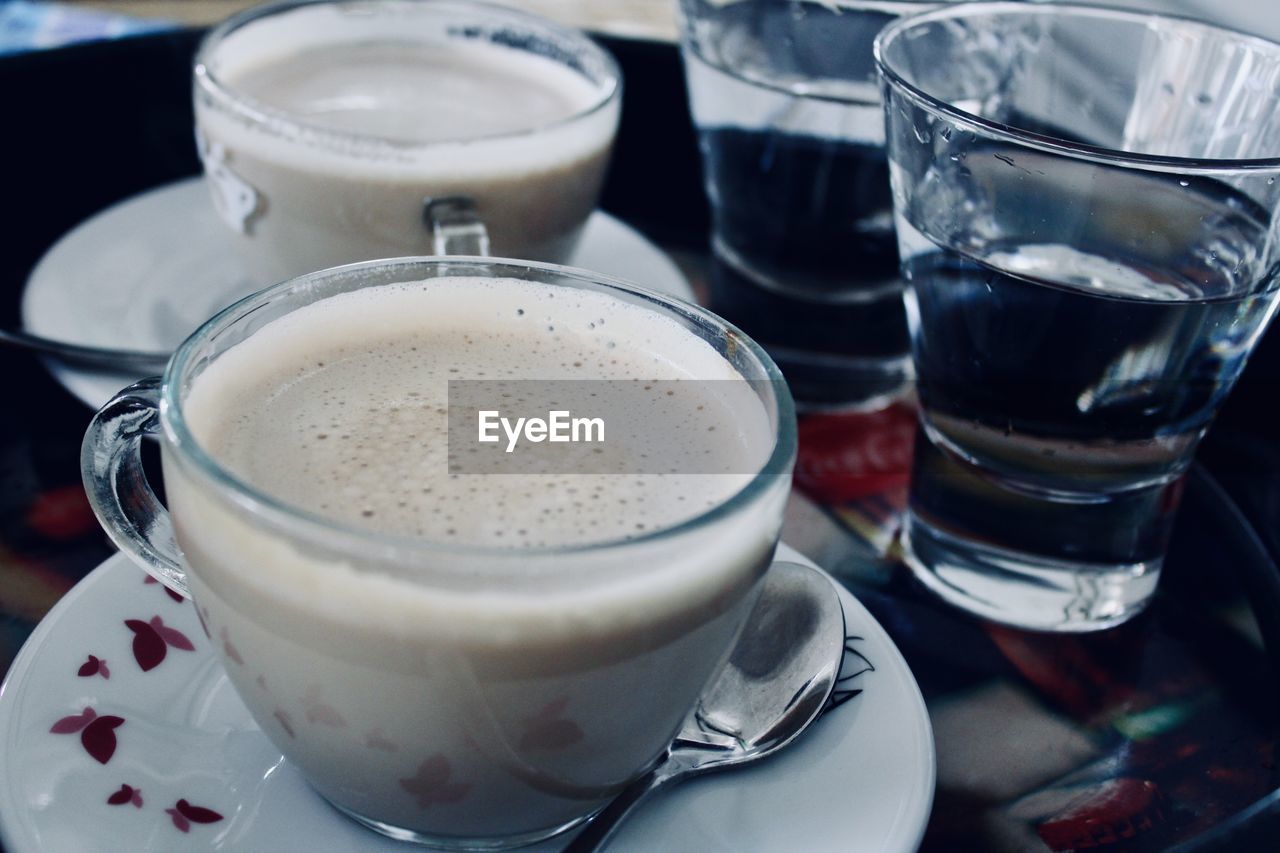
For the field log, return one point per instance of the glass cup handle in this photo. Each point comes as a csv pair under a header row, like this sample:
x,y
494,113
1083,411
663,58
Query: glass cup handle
x,y
111,465
456,228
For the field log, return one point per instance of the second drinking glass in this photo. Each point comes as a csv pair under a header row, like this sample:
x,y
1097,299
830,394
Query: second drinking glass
x,y
785,100
1086,210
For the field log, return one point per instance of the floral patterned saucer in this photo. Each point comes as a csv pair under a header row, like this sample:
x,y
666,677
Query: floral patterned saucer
x,y
119,730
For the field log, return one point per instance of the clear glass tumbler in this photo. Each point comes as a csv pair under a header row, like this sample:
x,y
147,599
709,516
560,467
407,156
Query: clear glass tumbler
x,y
1086,208
785,99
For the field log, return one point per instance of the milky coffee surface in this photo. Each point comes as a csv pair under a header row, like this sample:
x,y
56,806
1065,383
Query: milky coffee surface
x,y
341,409
408,92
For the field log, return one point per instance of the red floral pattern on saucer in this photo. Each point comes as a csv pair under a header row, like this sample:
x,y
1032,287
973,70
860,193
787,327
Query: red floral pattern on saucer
x,y
151,642
184,814
126,794
97,732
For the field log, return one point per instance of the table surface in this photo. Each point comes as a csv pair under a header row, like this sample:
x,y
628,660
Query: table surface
x,y
1144,737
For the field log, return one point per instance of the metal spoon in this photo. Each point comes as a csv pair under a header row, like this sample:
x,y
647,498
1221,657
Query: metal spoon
x,y
131,362
775,683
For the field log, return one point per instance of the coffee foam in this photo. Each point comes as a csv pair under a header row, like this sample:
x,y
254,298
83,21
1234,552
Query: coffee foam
x,y
405,92
340,409
494,96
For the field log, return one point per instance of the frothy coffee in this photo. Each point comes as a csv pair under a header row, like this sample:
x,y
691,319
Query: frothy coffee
x,y
401,92
341,410
455,692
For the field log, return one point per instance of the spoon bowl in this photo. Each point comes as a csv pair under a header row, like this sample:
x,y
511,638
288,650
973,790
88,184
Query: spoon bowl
x,y
776,682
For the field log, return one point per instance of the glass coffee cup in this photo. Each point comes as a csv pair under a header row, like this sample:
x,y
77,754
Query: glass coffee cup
x,y
338,132
465,694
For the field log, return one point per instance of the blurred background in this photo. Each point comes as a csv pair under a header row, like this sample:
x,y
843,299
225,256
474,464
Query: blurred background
x,y
33,23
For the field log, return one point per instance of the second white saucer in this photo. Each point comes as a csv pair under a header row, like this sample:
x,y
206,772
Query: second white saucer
x,y
143,274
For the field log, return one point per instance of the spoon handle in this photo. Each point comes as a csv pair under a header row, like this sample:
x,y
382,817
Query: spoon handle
x,y
601,828
116,360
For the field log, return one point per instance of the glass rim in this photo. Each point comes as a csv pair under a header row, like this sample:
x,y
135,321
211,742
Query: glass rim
x,y
1051,144
608,92
345,537
898,9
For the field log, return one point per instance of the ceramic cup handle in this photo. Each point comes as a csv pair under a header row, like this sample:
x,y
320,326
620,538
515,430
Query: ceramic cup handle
x,y
111,465
456,228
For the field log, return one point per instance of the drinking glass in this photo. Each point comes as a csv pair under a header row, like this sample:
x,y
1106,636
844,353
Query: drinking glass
x,y
785,99
1086,208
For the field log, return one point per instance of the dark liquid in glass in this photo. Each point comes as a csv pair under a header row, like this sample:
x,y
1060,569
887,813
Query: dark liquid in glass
x,y
805,254
1082,358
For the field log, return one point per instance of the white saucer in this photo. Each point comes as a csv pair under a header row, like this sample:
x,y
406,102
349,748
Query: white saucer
x,y
861,779
144,274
